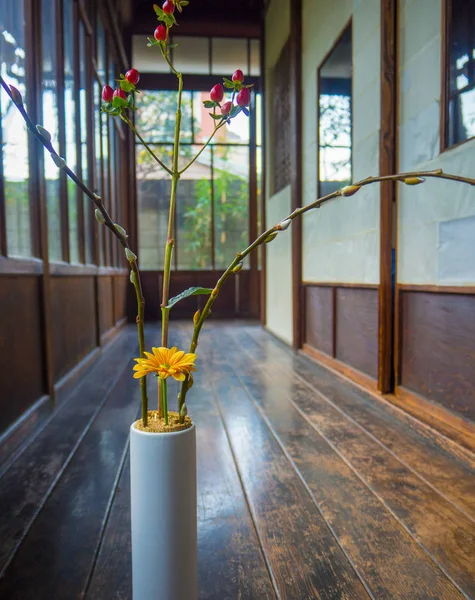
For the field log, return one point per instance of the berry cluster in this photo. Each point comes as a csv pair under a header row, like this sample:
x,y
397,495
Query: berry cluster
x,y
120,99
241,94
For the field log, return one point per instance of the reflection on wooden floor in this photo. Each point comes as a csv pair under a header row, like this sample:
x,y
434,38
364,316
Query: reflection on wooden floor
x,y
308,486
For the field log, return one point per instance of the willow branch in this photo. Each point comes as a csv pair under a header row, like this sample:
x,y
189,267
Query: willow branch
x,y
261,239
108,222
144,143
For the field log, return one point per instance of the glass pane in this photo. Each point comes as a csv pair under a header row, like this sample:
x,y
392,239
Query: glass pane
x,y
258,109
14,135
153,193
70,129
101,51
237,132
334,87
50,122
193,217
231,202
461,71
255,58
147,60
228,54
83,105
191,55
155,117
98,165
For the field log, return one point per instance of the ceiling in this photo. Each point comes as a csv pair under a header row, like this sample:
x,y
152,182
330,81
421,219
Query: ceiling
x,y
203,17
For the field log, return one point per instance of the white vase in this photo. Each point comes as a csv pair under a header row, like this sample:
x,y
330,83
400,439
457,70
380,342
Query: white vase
x,y
163,513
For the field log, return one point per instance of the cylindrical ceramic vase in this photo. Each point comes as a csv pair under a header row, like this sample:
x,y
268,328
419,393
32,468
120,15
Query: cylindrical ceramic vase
x,y
163,512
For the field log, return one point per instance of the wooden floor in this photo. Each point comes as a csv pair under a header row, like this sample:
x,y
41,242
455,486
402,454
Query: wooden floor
x,y
308,487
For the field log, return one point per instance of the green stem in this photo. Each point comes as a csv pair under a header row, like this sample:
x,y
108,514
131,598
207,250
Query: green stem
x,y
144,143
171,216
164,399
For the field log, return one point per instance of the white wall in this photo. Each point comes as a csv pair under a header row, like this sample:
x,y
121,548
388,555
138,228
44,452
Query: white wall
x,y
436,220
341,239
279,252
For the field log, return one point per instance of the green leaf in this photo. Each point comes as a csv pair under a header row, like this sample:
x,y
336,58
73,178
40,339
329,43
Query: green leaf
x,y
235,111
118,102
192,291
245,111
209,104
216,117
228,83
248,86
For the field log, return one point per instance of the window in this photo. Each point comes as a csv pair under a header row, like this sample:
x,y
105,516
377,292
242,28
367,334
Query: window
x,y
84,108
212,218
50,122
460,94
70,108
200,55
14,137
334,117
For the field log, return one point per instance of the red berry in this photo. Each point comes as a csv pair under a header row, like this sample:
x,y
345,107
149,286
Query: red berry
x,y
132,76
238,76
217,93
244,97
168,7
226,108
160,33
107,93
120,94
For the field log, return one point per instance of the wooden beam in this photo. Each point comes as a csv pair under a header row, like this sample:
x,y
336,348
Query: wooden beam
x,y
387,164
263,175
296,162
38,188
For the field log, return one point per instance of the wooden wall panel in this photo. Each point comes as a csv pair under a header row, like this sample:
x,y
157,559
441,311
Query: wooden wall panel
x,y
357,329
106,303
74,318
21,354
121,284
437,348
319,318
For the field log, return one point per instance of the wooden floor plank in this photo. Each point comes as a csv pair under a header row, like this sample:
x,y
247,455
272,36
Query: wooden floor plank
x,y
26,483
368,531
305,559
55,558
112,575
451,474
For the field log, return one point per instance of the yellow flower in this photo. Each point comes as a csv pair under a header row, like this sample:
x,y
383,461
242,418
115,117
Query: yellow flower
x,y
165,362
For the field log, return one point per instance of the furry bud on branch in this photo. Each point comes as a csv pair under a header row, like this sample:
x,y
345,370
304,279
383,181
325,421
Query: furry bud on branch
x,y
16,96
349,190
237,268
121,230
45,134
413,180
58,161
285,224
270,237
130,256
99,216
196,316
